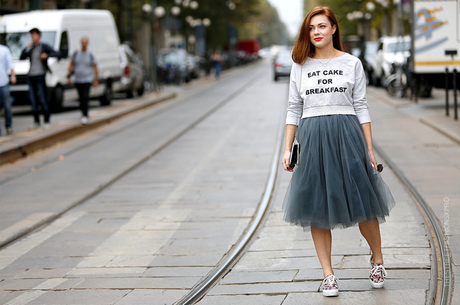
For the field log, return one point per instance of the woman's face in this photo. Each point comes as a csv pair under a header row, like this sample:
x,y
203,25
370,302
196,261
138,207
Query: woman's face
x,y
321,31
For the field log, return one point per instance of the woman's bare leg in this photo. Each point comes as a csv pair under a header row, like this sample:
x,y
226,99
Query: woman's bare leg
x,y
371,232
323,243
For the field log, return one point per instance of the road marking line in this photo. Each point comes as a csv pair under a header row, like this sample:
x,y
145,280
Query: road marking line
x,y
32,295
26,297
179,191
19,226
50,284
15,251
132,244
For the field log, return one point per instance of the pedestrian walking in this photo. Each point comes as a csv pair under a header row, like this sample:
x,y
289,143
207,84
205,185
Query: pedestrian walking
x,y
84,66
216,62
38,54
6,64
337,182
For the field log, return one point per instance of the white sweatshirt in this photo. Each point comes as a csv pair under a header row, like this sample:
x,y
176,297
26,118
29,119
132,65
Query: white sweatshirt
x,y
338,88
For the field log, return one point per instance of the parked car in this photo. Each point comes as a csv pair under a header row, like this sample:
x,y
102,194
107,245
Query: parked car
x,y
390,50
63,30
282,64
132,78
172,66
193,63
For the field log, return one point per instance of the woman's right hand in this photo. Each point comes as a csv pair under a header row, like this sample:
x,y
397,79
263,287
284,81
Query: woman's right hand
x,y
286,158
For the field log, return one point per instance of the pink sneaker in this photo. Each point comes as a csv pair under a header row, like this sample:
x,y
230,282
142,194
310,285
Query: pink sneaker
x,y
377,275
330,286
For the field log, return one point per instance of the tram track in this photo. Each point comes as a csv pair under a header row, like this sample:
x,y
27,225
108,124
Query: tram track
x,y
170,106
441,270
48,220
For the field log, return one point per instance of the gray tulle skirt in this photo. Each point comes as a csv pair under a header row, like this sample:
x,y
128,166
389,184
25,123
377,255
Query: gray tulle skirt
x,y
334,185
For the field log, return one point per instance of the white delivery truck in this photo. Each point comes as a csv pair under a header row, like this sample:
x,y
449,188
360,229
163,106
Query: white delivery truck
x,y
436,40
63,30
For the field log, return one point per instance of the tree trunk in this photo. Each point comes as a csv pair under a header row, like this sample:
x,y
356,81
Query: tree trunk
x,y
120,19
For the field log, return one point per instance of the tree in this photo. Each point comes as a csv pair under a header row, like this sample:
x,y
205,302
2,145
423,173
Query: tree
x,y
265,26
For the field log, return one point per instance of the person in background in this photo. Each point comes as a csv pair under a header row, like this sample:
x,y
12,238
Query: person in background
x,y
216,62
38,54
84,66
6,64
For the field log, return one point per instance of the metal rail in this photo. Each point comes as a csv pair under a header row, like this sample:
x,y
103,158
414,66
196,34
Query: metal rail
x,y
441,269
104,186
112,133
441,274
242,245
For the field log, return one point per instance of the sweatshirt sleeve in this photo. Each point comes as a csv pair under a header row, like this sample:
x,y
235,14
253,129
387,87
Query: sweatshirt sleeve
x,y
359,95
9,60
295,102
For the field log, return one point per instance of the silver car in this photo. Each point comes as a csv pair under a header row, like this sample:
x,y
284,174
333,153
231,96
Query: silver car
x,y
132,78
282,64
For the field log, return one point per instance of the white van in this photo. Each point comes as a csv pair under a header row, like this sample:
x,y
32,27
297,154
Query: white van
x,y
63,30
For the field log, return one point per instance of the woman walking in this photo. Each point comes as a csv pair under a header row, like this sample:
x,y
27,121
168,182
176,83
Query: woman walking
x,y
336,183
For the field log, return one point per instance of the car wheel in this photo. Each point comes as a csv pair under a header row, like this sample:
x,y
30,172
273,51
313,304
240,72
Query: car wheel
x,y
141,90
375,80
370,78
57,99
382,78
276,78
106,97
130,93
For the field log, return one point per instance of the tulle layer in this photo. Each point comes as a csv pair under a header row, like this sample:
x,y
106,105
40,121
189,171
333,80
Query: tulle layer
x,y
334,184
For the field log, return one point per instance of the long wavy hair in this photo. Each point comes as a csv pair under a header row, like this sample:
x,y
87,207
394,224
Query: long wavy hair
x,y
303,47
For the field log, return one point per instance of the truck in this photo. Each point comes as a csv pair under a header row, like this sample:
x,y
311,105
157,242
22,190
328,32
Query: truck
x,y
435,41
250,46
63,30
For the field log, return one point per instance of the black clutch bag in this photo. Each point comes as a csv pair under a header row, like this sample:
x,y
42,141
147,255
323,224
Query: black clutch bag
x,y
295,152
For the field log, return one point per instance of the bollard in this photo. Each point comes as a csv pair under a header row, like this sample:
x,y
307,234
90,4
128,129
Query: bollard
x,y
447,91
455,96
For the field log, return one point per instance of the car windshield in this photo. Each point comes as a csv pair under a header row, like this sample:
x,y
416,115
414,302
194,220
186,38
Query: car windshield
x,y
398,46
173,58
16,42
285,56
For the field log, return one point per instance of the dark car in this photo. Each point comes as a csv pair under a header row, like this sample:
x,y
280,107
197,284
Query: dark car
x,y
282,64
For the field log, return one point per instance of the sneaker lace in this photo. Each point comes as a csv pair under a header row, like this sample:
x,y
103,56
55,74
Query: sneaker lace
x,y
330,280
378,270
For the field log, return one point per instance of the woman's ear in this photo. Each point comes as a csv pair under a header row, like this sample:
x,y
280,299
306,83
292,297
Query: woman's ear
x,y
334,28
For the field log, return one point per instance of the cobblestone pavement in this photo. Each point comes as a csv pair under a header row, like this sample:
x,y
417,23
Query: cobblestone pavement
x,y
281,266
152,234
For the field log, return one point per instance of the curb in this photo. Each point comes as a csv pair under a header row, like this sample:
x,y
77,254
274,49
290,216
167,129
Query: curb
x,y
23,149
452,136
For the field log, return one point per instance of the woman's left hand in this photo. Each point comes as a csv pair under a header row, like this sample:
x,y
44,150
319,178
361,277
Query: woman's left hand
x,y
373,160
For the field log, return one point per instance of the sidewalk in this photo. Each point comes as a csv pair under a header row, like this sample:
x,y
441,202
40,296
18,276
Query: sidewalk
x,y
281,267
67,124
430,111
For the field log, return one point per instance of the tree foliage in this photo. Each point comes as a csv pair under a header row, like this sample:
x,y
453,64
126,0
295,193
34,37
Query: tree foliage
x,y
252,18
266,26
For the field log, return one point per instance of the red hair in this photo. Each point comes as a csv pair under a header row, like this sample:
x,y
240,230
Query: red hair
x,y
303,47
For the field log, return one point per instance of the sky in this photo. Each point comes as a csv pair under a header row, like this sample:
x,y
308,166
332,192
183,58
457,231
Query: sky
x,y
290,12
